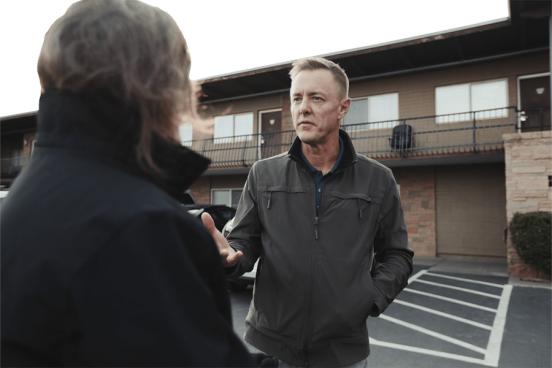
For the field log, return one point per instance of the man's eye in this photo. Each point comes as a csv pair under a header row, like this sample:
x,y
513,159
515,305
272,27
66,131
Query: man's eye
x,y
296,99
317,98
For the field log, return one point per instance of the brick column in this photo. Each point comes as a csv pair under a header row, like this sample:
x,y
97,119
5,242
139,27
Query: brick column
x,y
418,201
528,158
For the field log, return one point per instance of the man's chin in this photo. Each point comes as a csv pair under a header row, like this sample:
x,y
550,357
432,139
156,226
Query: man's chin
x,y
306,137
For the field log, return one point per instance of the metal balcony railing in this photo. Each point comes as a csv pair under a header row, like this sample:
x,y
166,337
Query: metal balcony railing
x,y
469,132
438,135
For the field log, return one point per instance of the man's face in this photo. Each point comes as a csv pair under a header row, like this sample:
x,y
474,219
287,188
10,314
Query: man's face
x,y
317,106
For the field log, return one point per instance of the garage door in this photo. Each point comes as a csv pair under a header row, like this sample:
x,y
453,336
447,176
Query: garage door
x,y
471,210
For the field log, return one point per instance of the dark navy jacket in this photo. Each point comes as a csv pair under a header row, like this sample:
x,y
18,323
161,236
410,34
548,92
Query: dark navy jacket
x,y
100,264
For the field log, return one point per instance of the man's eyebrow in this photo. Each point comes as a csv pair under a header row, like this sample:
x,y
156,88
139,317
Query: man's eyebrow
x,y
309,93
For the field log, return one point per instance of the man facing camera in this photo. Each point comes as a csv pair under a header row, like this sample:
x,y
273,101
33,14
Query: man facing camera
x,y
327,227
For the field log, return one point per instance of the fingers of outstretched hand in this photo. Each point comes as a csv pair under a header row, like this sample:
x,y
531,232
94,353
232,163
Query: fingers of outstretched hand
x,y
208,222
229,256
232,257
217,236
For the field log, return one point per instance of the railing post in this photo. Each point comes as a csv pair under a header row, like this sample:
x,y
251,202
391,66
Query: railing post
x,y
474,132
203,147
243,150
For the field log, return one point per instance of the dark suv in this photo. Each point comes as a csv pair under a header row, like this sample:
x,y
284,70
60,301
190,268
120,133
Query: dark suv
x,y
221,214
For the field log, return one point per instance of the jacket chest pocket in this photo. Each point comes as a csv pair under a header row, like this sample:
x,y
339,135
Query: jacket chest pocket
x,y
281,194
360,204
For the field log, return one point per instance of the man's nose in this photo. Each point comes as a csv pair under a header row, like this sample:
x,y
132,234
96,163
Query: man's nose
x,y
304,107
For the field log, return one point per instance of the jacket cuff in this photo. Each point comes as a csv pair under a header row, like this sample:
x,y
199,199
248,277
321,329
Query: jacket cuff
x,y
380,302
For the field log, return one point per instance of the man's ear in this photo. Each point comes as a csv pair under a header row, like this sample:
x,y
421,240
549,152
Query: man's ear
x,y
344,106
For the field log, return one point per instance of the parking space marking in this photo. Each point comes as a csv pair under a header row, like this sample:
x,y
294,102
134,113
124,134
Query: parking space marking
x,y
491,353
459,288
417,275
443,314
429,273
495,340
439,354
435,334
476,306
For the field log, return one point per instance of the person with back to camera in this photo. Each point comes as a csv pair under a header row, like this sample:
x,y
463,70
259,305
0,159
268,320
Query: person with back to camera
x,y
100,264
327,226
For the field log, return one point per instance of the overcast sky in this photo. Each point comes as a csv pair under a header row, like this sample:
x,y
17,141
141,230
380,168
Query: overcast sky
x,y
226,36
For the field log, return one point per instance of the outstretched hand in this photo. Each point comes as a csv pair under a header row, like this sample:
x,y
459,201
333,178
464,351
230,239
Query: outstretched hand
x,y
229,255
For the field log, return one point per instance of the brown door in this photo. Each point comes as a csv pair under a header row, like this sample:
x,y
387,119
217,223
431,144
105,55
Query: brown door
x,y
535,102
471,210
271,133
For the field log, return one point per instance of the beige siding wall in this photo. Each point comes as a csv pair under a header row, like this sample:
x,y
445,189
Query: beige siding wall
x,y
254,105
417,90
471,210
528,159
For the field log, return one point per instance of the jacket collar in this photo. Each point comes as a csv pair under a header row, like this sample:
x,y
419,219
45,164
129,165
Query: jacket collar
x,y
107,129
349,153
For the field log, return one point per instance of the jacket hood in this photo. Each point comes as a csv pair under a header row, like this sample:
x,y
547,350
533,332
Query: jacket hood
x,y
107,129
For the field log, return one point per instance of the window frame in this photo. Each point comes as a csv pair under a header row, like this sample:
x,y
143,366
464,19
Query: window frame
x,y
464,116
228,189
186,143
375,125
234,138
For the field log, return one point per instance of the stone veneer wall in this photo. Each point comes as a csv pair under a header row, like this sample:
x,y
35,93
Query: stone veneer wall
x,y
417,186
528,158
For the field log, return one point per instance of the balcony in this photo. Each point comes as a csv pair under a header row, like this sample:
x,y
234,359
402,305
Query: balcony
x,y
420,137
431,136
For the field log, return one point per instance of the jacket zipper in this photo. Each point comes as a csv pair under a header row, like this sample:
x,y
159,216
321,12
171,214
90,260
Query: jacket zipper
x,y
308,319
316,227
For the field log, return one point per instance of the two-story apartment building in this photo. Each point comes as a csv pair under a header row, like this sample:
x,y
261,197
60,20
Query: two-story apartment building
x,y
432,108
458,91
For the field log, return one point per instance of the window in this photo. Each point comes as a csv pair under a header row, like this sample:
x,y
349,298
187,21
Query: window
x,y
383,110
233,128
457,101
186,132
228,197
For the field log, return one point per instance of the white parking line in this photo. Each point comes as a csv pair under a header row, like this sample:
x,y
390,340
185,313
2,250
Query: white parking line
x,y
491,354
417,276
435,334
464,279
443,314
495,340
439,354
458,288
476,306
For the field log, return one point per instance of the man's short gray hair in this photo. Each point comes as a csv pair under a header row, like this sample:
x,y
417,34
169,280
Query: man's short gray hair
x,y
316,63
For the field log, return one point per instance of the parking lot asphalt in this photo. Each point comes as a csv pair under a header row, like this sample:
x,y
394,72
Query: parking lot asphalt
x,y
455,319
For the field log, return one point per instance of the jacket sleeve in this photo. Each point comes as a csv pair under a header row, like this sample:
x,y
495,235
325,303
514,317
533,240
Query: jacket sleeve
x,y
246,231
393,259
155,295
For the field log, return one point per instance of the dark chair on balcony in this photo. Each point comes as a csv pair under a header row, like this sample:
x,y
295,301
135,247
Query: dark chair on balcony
x,y
401,138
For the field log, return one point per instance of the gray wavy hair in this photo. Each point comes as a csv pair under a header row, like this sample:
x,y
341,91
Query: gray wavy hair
x,y
131,50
